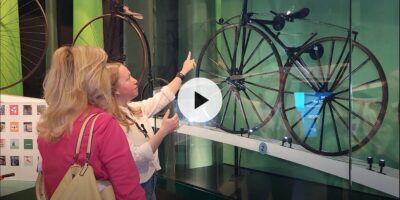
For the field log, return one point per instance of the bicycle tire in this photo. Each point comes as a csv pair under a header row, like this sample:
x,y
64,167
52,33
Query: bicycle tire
x,y
250,73
141,59
324,90
24,36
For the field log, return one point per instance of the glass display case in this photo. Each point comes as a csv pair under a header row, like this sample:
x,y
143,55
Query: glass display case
x,y
310,99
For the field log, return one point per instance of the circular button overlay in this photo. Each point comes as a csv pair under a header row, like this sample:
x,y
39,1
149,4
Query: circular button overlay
x,y
199,100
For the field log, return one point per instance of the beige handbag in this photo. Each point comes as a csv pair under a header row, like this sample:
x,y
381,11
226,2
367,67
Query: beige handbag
x,y
79,182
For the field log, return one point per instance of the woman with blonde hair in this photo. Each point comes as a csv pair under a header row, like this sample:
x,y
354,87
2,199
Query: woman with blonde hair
x,y
75,87
134,118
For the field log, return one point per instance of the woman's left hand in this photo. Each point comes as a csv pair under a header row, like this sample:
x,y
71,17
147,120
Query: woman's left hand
x,y
188,65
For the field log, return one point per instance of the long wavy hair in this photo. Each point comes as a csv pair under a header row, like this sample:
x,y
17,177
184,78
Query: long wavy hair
x,y
113,72
75,81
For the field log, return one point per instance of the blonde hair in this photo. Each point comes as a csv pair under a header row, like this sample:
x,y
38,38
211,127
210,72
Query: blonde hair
x,y
113,72
76,79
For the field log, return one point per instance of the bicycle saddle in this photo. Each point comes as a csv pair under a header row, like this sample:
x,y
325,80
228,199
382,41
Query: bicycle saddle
x,y
127,11
279,20
300,14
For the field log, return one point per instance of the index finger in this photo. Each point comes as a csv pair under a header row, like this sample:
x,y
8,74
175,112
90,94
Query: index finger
x,y
189,55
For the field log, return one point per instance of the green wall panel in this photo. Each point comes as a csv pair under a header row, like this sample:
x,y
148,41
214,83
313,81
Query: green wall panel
x,y
84,11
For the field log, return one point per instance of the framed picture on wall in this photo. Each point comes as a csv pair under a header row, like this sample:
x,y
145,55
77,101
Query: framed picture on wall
x,y
27,126
2,109
14,160
27,110
2,160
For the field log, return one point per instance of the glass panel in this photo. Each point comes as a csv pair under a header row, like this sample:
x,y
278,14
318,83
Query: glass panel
x,y
375,97
298,119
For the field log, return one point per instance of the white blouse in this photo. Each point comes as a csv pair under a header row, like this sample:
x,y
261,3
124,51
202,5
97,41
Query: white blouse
x,y
146,162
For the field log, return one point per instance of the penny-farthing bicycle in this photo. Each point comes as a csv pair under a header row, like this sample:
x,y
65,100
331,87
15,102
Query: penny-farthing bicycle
x,y
110,31
310,88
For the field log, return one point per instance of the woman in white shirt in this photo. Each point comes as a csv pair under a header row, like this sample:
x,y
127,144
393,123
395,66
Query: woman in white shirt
x,y
135,119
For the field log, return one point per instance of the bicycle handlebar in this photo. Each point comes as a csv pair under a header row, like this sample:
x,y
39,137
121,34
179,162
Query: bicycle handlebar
x,y
124,9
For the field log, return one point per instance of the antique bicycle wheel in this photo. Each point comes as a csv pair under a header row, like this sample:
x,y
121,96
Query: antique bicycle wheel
x,y
316,99
245,65
23,38
110,31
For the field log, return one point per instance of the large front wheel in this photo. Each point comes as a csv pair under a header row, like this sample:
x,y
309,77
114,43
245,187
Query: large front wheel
x,y
245,65
117,34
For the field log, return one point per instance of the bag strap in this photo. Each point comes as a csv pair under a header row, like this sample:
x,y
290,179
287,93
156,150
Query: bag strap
x,y
89,146
81,132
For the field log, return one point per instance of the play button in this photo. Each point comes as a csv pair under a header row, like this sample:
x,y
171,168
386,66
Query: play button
x,y
199,100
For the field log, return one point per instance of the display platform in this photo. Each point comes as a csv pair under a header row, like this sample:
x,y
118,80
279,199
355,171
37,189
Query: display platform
x,y
8,187
387,183
219,182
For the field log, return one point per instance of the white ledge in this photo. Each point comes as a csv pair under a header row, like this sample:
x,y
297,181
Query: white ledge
x,y
360,174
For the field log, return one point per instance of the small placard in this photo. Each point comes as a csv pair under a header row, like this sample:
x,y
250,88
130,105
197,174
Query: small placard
x,y
262,148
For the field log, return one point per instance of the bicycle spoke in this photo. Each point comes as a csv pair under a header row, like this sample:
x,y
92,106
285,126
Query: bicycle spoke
x,y
361,100
260,74
261,86
13,9
31,19
293,107
243,111
341,72
236,44
219,66
259,98
234,114
10,51
28,13
227,48
252,53
303,81
305,114
245,42
344,122
23,40
213,74
307,74
357,88
321,138
338,61
258,64
352,72
334,127
21,29
226,107
355,114
10,60
220,55
31,46
253,106
313,123
330,60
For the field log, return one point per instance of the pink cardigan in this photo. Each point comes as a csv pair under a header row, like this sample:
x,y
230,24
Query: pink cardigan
x,y
111,158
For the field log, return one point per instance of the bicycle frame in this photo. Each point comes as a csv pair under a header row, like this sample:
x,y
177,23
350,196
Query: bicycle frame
x,y
246,18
